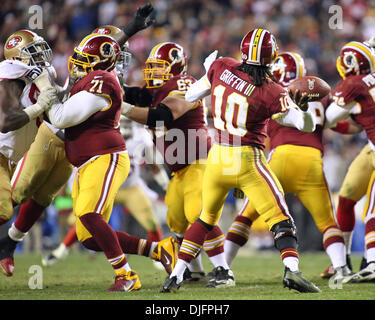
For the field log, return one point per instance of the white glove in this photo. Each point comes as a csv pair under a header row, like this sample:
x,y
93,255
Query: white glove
x,y
126,108
43,81
209,60
45,100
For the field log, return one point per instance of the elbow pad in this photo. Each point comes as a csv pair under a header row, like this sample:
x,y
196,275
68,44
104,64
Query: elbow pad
x,y
137,96
160,116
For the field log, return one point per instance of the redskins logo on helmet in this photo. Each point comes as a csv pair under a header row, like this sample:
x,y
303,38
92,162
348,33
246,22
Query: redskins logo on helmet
x,y
167,59
95,52
259,47
288,67
28,47
125,56
355,58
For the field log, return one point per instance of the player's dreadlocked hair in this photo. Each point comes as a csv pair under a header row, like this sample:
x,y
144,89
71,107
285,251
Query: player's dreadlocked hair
x,y
258,73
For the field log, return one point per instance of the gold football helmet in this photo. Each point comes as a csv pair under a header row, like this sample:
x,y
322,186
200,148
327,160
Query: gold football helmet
x,y
28,47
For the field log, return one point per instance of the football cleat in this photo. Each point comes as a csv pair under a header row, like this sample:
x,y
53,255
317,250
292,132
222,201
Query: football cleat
x,y
170,285
220,278
192,277
341,273
166,252
128,281
365,275
330,271
294,280
7,248
54,257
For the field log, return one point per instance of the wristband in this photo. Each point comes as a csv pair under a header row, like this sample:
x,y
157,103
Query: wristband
x,y
126,108
34,111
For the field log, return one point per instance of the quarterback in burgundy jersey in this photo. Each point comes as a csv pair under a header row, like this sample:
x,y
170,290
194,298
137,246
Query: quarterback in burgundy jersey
x,y
296,160
354,96
184,142
243,98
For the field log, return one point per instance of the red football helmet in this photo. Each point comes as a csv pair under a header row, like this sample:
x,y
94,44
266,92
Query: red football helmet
x,y
167,59
355,58
125,55
259,47
95,52
287,67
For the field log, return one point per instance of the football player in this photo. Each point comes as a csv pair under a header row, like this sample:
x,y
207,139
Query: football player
x,y
21,79
132,194
296,159
352,190
45,169
354,96
184,142
95,146
243,98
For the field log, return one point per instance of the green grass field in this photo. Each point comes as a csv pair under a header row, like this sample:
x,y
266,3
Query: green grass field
x,y
258,277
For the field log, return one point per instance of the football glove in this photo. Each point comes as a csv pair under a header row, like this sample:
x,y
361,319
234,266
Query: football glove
x,y
141,20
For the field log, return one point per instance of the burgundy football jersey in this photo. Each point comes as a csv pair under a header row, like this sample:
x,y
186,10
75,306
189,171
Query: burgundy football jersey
x,y
361,89
280,135
240,109
100,133
186,139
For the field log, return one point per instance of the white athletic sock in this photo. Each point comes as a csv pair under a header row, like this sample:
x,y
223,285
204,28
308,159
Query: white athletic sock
x,y
336,252
196,264
60,251
230,250
179,269
219,261
16,234
348,236
291,263
370,255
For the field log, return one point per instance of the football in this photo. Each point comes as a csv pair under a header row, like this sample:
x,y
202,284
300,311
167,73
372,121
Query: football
x,y
316,88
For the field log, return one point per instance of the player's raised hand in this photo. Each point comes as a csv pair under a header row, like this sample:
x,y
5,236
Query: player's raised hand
x,y
301,100
141,20
47,98
209,60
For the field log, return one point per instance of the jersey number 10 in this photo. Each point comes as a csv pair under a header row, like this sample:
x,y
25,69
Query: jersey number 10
x,y
228,121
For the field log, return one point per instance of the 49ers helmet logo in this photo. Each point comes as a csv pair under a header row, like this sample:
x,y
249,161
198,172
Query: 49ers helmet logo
x,y
103,30
13,42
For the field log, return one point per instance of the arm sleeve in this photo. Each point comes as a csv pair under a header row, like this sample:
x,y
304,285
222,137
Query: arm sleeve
x,y
335,113
294,117
198,90
76,109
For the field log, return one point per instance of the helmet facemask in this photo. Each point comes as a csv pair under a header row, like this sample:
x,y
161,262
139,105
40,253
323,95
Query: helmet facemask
x,y
156,72
37,53
124,61
81,63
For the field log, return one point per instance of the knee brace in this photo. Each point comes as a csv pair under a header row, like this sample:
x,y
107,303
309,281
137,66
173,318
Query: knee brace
x,y
284,235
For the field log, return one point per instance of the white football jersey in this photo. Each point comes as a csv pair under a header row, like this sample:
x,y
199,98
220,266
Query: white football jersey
x,y
136,145
15,144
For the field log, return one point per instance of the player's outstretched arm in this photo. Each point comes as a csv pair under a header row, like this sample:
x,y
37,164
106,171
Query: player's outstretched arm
x,y
76,109
171,108
141,20
12,115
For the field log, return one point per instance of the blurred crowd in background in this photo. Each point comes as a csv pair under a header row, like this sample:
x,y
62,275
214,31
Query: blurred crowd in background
x,y
202,26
